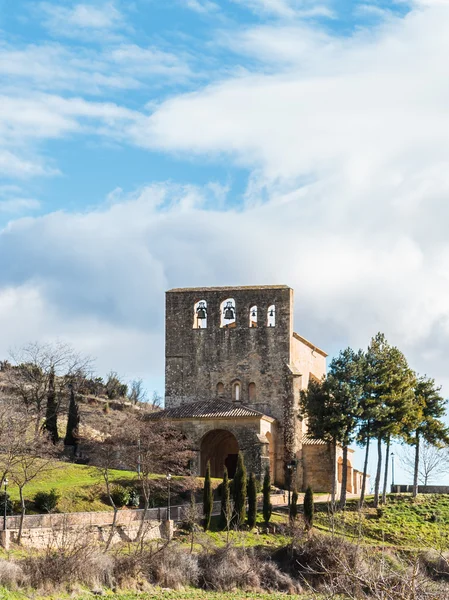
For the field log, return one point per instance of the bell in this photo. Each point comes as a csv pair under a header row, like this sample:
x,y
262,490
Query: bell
x,y
254,314
201,312
271,313
229,312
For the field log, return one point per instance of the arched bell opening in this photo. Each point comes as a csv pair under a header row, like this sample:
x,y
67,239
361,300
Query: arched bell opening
x,y
228,313
221,448
200,315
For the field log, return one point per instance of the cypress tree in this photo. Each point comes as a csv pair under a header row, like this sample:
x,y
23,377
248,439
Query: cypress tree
x,y
267,506
225,514
239,485
73,420
309,508
252,501
51,415
208,498
294,505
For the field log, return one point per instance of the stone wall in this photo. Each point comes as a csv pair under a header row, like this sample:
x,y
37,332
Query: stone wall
x,y
44,537
197,360
422,489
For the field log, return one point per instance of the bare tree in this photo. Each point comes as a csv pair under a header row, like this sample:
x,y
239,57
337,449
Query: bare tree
x,y
35,457
38,367
154,447
434,462
136,392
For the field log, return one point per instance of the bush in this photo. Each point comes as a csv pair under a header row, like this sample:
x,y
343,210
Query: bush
x,y
134,499
11,574
46,501
120,496
436,565
173,568
230,568
74,564
9,504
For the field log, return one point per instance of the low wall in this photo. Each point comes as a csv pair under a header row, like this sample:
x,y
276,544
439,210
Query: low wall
x,y
45,537
422,489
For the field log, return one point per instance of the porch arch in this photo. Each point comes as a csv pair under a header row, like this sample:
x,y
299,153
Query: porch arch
x,y
221,448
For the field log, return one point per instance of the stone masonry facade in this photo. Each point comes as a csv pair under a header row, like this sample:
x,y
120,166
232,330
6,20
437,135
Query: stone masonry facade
x,y
234,372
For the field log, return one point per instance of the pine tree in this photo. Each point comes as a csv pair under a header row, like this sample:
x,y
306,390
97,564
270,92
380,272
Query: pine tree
x,y
267,507
390,385
73,421
431,407
345,383
51,415
226,509
252,501
208,498
239,491
294,505
309,509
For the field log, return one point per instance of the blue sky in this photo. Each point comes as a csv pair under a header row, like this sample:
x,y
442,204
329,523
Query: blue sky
x,y
146,145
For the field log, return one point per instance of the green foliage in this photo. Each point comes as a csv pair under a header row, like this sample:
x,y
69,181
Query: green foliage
x,y
9,504
252,501
267,507
134,498
73,421
226,509
46,501
239,482
309,508
120,496
115,388
208,498
51,414
294,505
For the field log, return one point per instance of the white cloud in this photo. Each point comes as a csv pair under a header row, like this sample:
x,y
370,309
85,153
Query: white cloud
x,y
287,8
201,6
83,20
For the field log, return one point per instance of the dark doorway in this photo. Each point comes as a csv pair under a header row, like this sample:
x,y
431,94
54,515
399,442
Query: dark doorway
x,y
221,448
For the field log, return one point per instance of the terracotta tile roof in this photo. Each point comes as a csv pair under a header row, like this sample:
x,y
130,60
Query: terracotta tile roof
x,y
208,409
308,440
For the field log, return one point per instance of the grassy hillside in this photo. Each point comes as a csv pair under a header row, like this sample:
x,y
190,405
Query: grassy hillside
x,y
80,487
403,522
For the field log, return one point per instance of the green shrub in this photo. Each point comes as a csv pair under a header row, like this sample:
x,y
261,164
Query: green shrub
x,y
134,499
120,496
46,501
252,501
9,504
309,508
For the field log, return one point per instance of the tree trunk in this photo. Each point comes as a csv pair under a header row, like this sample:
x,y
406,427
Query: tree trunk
x,y
334,474
142,522
387,457
365,470
415,474
22,516
114,521
344,478
378,472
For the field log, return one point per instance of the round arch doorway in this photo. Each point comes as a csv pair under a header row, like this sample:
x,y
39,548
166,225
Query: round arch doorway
x,y
221,448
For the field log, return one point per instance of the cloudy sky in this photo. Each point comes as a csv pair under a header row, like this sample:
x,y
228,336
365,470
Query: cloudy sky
x,y
151,144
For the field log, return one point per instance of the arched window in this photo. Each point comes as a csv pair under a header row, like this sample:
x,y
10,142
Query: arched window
x,y
271,316
252,391
253,316
236,389
220,389
200,314
227,309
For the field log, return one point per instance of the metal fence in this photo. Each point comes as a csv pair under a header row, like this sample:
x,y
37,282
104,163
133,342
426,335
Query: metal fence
x,y
91,519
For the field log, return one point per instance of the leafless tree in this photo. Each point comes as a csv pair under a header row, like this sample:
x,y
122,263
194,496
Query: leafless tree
x,y
153,447
105,455
434,462
136,392
35,456
31,378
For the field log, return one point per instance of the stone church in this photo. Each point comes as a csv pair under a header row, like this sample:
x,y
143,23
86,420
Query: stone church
x,y
234,371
